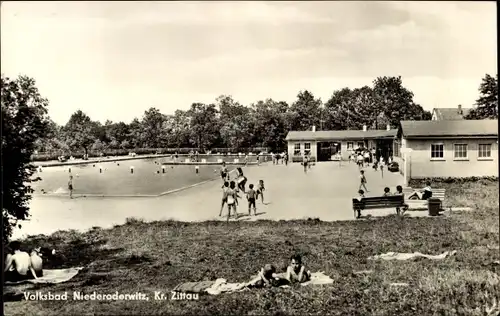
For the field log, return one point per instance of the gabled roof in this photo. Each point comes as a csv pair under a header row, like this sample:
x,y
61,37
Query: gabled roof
x,y
453,128
450,114
340,135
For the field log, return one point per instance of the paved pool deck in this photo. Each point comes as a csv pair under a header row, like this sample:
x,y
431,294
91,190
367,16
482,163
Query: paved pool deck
x,y
324,192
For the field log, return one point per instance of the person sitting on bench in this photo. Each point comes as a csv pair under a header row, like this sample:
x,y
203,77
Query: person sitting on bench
x,y
399,191
387,192
425,194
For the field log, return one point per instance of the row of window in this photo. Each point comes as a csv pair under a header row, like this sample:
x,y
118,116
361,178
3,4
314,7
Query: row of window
x,y
296,149
460,151
350,145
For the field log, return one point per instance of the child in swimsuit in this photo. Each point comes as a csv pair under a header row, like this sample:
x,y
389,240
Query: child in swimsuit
x,y
70,187
232,200
260,191
251,196
223,171
296,271
225,190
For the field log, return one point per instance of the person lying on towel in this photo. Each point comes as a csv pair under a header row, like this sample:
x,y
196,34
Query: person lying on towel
x,y
18,265
296,272
267,276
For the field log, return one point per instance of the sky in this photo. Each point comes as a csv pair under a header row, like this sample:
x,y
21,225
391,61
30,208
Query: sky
x,y
114,60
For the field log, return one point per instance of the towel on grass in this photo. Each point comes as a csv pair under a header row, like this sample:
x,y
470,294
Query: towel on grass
x,y
51,276
318,278
194,287
221,285
407,256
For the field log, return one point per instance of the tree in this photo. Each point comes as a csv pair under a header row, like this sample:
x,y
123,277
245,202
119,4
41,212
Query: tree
x,y
271,124
118,132
487,104
153,128
235,122
396,101
204,125
80,131
180,123
135,137
307,110
24,120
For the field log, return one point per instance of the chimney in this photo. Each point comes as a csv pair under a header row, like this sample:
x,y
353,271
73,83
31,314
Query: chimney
x,y
460,109
314,128
364,128
388,127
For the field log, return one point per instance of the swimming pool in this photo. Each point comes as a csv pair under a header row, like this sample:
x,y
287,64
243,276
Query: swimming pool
x,y
116,179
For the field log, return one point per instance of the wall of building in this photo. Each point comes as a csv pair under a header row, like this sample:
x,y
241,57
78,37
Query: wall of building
x,y
291,148
418,164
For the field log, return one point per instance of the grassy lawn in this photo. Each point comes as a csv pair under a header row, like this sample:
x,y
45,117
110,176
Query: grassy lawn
x,y
116,178
157,256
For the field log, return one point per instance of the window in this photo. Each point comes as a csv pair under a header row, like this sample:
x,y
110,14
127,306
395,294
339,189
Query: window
x,y
437,151
361,144
484,151
397,146
307,148
350,145
460,151
296,149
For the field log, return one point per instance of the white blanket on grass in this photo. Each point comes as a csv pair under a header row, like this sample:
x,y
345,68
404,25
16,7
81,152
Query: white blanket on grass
x,y
52,276
221,285
407,256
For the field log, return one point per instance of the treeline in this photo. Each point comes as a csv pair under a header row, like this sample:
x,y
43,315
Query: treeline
x,y
226,123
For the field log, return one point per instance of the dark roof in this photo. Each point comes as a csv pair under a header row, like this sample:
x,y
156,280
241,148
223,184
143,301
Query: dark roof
x,y
450,114
339,135
449,128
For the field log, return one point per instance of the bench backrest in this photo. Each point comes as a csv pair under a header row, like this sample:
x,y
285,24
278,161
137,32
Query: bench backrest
x,y
378,201
436,193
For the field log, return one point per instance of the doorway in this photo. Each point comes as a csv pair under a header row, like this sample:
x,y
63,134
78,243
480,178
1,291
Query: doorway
x,y
384,148
327,149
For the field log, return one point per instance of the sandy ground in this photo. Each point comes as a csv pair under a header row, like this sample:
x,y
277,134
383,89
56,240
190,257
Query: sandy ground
x,y
325,192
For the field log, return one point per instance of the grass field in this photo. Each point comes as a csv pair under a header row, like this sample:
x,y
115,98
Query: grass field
x,y
116,178
150,257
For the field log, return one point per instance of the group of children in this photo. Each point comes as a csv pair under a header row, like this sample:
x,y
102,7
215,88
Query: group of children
x,y
230,192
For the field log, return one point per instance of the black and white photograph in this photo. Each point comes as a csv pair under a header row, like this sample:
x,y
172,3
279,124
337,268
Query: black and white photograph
x,y
250,158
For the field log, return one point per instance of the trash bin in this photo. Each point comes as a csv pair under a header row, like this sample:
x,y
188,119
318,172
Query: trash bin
x,y
434,206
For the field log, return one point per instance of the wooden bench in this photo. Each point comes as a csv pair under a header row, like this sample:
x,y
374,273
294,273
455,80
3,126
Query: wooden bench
x,y
379,202
422,204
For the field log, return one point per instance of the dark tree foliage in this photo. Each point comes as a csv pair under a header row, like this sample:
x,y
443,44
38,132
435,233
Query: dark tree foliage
x,y
487,104
24,121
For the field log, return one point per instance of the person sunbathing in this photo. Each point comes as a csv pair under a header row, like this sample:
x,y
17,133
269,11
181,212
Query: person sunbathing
x,y
37,261
296,271
425,194
18,265
267,276
264,277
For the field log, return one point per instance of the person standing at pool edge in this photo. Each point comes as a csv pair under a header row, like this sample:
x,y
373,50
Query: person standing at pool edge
x,y
70,186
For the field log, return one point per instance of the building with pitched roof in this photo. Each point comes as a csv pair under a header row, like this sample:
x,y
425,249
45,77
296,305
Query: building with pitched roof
x,y
449,114
321,145
447,148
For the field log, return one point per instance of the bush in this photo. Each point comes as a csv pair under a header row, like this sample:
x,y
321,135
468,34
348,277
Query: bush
x,y
437,181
